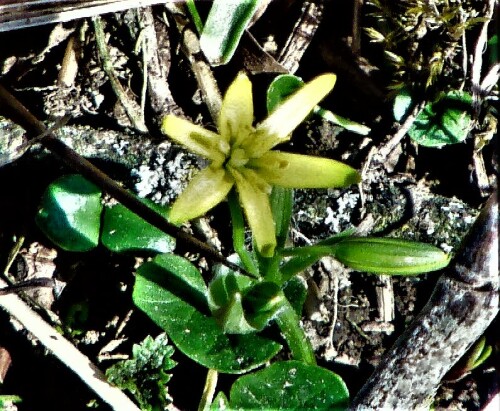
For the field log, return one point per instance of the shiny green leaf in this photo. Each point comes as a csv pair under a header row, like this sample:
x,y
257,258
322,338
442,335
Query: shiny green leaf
x,y
70,213
290,385
261,302
220,402
224,298
295,291
280,88
125,231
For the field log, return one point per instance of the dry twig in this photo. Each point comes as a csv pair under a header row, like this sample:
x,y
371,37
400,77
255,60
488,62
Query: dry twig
x,y
302,35
65,351
134,112
191,47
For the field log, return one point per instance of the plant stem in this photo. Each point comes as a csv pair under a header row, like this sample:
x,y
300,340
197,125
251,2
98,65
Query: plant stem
x,y
195,15
208,390
299,344
238,224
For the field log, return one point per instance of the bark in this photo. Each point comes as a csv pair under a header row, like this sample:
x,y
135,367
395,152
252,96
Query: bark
x,y
463,304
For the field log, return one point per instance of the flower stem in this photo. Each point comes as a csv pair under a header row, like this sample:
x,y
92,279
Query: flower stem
x,y
299,344
239,234
208,390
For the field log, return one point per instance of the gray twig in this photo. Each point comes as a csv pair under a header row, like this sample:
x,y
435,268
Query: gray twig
x,y
131,107
302,35
191,47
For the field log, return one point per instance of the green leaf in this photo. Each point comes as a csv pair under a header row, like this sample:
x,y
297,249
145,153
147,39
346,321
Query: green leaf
x,y
295,292
261,303
444,121
195,16
145,374
238,225
473,358
281,205
389,255
224,298
493,49
280,88
171,291
226,22
125,231
7,401
70,213
241,305
477,354
290,385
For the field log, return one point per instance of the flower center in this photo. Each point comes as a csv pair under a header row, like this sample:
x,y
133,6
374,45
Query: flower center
x,y
238,158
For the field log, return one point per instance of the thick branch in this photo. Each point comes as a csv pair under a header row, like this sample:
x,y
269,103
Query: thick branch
x,y
463,304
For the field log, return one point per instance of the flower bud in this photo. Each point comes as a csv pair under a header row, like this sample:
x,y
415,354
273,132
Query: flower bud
x,y
389,256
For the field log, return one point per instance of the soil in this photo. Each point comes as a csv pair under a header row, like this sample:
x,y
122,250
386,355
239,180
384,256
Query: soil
x,y
418,193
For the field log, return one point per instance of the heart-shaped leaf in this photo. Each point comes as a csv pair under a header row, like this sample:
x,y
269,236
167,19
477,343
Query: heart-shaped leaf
x,y
444,121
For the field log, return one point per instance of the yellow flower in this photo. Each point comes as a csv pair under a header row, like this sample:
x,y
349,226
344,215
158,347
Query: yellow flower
x,y
240,155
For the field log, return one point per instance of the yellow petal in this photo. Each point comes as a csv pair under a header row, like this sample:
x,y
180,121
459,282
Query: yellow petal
x,y
236,115
207,189
277,127
301,171
195,138
257,208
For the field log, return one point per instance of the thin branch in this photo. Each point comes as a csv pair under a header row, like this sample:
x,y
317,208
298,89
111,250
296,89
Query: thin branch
x,y
302,35
65,351
131,107
22,116
390,145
